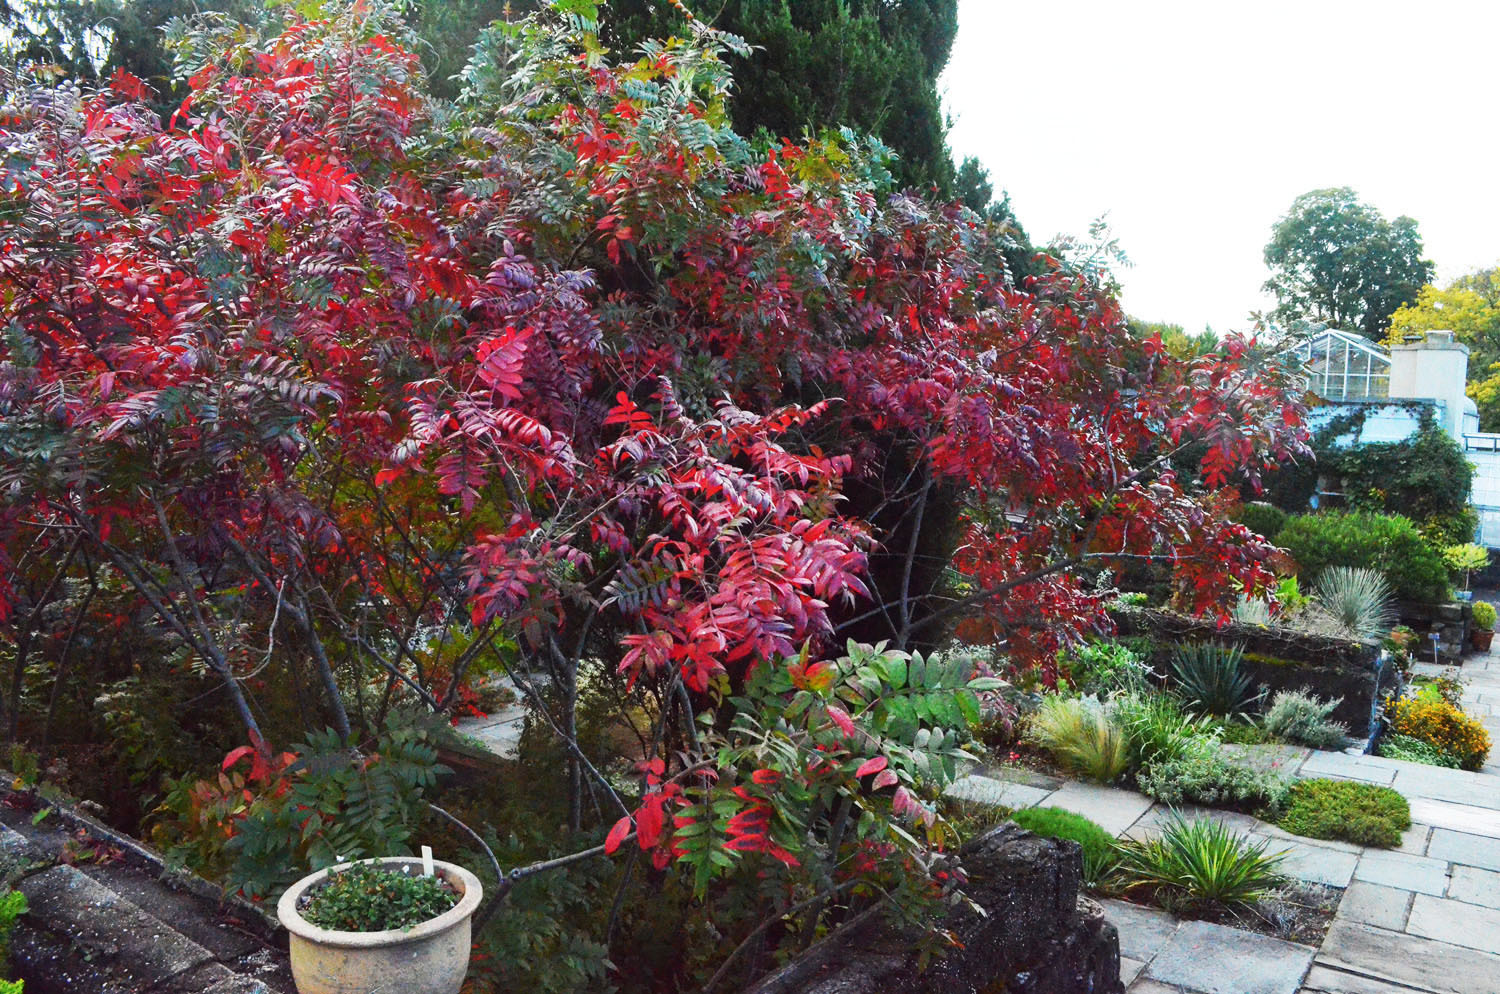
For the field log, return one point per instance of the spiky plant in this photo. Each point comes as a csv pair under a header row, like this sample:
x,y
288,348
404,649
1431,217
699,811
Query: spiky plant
x,y
1357,601
1200,862
1210,679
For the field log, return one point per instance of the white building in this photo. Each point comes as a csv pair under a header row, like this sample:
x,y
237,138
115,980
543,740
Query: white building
x,y
1394,387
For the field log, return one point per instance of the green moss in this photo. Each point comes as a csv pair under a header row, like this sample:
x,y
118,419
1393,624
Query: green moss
x,y
1264,660
1100,854
1348,811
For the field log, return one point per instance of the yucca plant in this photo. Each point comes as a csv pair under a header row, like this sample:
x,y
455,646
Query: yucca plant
x,y
1356,601
1082,736
1209,678
1200,862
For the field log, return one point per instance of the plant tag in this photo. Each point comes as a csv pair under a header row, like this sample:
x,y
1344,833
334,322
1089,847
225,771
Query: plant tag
x,y
426,861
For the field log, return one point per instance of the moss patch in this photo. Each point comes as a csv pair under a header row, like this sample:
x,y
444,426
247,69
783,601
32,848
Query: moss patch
x,y
1100,855
1348,811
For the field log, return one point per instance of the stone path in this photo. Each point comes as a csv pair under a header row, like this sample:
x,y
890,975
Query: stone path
x,y
1421,918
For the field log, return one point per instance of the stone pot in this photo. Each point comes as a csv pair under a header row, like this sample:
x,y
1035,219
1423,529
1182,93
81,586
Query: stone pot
x,y
430,958
1481,640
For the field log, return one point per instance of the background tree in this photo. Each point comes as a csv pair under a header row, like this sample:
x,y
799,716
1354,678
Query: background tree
x,y
1336,260
1470,308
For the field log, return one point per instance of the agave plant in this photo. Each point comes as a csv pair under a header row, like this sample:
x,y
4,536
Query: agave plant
x,y
1201,862
1356,601
1209,678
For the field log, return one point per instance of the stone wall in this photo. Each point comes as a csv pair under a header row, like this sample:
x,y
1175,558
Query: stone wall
x,y
1038,936
1280,659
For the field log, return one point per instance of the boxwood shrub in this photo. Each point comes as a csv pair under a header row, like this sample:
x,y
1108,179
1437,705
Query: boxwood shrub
x,y
1389,543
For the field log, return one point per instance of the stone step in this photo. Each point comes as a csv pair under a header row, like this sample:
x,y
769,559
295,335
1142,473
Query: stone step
x,y
80,934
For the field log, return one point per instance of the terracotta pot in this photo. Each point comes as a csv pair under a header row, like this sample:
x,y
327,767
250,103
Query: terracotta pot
x,y
430,958
1481,640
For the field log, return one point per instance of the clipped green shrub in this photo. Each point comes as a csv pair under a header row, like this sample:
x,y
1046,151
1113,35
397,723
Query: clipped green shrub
x,y
1200,862
1299,716
1346,810
1082,735
1209,678
1201,775
1397,746
1266,520
1388,543
1100,854
1484,616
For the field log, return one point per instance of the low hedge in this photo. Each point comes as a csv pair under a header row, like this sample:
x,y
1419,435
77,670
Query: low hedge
x,y
1347,811
1388,543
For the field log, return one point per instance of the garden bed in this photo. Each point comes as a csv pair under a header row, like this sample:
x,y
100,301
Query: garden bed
x,y
1278,658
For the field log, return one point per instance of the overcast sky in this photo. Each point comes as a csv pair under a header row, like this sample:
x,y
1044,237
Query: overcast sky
x,y
1194,125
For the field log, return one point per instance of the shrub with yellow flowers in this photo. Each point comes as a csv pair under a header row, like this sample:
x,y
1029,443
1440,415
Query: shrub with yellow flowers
x,y
1434,720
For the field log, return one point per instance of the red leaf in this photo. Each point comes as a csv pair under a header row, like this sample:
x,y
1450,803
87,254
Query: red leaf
x,y
617,834
869,766
841,718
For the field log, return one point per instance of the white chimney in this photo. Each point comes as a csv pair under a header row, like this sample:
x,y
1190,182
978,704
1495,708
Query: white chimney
x,y
1434,368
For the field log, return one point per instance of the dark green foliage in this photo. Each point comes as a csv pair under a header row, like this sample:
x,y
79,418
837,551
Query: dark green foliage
x,y
870,65
1102,668
546,937
12,906
369,898
1100,855
1346,810
1425,477
1200,863
1210,679
1336,260
1266,520
1388,543
1396,746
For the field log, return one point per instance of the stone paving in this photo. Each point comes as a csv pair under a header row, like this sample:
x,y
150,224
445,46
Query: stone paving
x,y
1421,918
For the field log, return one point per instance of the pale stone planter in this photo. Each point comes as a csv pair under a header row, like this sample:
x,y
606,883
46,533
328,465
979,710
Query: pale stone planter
x,y
430,958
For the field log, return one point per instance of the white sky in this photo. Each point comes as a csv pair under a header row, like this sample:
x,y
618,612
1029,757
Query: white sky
x,y
1195,124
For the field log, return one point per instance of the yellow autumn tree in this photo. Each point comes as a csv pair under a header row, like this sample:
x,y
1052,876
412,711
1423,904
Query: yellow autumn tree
x,y
1470,308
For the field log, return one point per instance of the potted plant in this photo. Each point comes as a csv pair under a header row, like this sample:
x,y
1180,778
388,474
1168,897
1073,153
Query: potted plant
x,y
1466,559
1484,626
381,925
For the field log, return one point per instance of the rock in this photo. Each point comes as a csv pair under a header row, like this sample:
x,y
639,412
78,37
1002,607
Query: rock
x,y
1038,936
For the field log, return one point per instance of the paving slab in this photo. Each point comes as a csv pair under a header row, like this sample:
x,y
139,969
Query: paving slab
x,y
1021,774
1413,783
1130,969
1461,847
1456,922
1419,963
1339,764
1475,886
1214,959
1143,931
1000,793
1414,839
1271,757
1145,985
1115,810
1314,864
1403,872
1457,817
1373,904
1323,980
